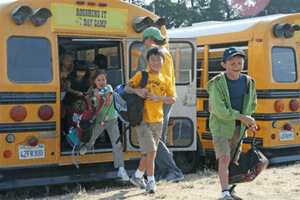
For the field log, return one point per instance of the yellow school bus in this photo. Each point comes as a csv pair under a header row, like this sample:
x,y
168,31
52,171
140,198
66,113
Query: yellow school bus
x,y
33,35
272,46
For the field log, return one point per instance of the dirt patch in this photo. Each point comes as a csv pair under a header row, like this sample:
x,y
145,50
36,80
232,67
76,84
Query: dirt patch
x,y
275,183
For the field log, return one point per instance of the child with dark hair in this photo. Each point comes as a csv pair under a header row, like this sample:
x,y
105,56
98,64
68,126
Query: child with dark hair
x,y
108,115
78,84
157,91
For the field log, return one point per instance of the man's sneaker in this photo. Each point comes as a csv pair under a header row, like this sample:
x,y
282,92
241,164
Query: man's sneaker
x,y
122,174
173,177
150,187
140,182
227,198
82,150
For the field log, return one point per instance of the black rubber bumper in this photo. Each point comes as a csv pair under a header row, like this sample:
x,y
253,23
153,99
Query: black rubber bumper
x,y
281,154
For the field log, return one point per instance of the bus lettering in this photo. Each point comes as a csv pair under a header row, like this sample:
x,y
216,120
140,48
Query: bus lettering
x,y
88,13
99,23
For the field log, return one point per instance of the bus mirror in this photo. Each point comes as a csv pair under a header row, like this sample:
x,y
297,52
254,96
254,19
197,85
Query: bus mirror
x,y
40,16
279,29
21,14
159,22
141,23
289,32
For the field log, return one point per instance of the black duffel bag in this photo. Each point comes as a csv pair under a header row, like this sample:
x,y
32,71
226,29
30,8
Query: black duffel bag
x,y
249,166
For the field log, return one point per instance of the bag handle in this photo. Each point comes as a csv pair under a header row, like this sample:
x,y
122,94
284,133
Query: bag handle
x,y
252,145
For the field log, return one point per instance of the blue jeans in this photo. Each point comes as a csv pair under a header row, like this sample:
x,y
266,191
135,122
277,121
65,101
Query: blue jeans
x,y
164,162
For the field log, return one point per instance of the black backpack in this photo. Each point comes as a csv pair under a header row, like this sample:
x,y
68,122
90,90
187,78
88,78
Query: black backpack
x,y
129,107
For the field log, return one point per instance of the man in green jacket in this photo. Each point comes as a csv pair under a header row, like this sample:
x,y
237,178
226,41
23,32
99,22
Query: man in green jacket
x,y
232,100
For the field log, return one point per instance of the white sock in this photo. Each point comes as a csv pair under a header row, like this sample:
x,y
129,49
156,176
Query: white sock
x,y
225,193
151,178
121,169
138,173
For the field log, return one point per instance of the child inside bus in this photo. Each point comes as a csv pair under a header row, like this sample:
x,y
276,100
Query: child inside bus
x,y
110,122
156,92
232,99
66,66
78,84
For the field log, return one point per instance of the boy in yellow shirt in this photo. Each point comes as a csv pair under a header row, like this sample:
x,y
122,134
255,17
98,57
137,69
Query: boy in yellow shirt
x,y
156,92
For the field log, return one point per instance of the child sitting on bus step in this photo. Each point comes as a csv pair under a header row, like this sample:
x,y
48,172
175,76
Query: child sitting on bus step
x,y
108,115
66,66
78,84
232,100
156,92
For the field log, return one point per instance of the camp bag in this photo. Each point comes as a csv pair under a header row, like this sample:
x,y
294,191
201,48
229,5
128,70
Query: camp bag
x,y
130,107
249,166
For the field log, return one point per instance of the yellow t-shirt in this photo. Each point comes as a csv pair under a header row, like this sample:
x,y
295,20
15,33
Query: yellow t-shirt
x,y
168,67
158,84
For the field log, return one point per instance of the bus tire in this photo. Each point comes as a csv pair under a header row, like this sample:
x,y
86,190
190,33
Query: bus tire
x,y
188,161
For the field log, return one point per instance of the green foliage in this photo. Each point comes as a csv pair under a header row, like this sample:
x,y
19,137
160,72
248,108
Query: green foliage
x,y
186,12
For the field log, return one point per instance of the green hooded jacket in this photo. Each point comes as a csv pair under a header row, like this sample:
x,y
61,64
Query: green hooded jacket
x,y
222,115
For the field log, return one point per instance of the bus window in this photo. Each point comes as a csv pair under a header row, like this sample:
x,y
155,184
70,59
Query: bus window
x,y
138,58
112,56
284,65
182,56
29,60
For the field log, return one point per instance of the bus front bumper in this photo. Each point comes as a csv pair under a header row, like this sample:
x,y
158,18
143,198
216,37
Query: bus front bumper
x,y
281,154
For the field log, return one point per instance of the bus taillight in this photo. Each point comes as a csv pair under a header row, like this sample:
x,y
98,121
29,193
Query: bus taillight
x,y
287,127
7,154
18,113
45,112
279,105
80,2
294,105
33,141
90,3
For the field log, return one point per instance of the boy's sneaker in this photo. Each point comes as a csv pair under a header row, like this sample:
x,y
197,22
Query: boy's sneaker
x,y
82,150
227,198
122,174
140,182
150,187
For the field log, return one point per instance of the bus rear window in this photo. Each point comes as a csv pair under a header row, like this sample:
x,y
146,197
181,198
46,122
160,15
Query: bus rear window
x,y
29,60
284,65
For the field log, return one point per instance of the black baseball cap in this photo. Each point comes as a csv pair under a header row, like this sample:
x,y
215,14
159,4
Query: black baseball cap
x,y
231,52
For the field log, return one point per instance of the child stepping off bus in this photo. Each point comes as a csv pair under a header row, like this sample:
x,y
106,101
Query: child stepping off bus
x,y
156,92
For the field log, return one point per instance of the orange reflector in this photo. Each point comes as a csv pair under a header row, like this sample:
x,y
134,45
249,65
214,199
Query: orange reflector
x,y
7,154
45,112
18,113
279,105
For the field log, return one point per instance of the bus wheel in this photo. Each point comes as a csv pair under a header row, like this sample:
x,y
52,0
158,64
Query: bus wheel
x,y
188,161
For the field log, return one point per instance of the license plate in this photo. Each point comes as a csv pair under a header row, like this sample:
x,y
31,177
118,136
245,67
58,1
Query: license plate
x,y
29,152
286,135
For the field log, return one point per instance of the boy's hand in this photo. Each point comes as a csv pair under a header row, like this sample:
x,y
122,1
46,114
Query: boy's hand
x,y
152,97
142,92
248,121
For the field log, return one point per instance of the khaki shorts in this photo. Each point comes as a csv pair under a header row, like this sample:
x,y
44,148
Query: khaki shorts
x,y
225,147
148,135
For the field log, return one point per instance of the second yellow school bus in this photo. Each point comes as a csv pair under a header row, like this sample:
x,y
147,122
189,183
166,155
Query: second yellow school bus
x,y
272,46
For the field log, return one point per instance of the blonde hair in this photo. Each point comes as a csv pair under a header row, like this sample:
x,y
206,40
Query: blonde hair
x,y
63,56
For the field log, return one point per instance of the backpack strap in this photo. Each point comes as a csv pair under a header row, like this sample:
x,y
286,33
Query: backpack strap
x,y
143,84
144,80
